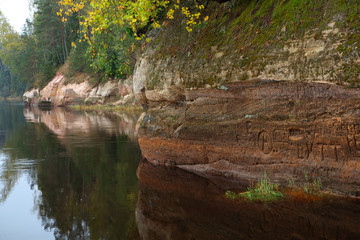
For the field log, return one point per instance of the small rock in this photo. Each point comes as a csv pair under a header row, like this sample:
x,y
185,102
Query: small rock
x,y
177,131
140,121
222,87
129,98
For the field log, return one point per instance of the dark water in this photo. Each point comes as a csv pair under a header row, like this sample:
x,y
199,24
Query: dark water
x,y
66,175
175,204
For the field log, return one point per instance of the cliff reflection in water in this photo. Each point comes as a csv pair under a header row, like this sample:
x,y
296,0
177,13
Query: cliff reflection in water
x,y
175,204
69,123
84,167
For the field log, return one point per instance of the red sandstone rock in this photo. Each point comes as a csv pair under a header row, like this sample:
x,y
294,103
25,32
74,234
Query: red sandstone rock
x,y
286,129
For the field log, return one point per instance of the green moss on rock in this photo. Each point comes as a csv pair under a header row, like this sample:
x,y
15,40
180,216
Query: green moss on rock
x,y
242,39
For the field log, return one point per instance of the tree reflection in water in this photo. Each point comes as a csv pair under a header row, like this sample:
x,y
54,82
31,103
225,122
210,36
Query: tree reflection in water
x,y
85,175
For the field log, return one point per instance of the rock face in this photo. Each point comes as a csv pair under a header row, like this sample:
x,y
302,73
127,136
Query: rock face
x,y
57,92
246,128
31,97
231,47
252,91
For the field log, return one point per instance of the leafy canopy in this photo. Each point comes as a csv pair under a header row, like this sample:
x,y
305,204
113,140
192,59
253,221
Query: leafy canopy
x,y
111,28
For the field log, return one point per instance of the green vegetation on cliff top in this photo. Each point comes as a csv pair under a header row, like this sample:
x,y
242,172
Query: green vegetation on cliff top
x,y
251,34
237,34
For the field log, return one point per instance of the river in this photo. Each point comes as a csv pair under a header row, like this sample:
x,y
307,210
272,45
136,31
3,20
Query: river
x,y
75,175
67,175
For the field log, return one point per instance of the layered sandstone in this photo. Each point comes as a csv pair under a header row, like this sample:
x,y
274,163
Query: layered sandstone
x,y
245,128
252,90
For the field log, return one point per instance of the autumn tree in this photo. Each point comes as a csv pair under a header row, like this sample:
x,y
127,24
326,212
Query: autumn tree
x,y
53,38
111,27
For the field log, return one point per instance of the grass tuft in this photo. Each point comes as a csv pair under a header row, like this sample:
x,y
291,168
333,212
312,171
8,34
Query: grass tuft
x,y
107,108
264,190
313,187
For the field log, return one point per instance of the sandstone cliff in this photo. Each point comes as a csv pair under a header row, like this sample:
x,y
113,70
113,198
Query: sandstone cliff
x,y
58,92
265,85
261,86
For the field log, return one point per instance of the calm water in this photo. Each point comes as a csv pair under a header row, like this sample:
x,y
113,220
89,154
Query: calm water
x,y
66,175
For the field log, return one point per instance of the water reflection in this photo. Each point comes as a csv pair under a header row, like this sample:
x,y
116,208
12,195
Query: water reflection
x,y
174,204
82,164
76,172
68,123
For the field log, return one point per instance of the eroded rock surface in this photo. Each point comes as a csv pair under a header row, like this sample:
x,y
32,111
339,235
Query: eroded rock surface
x,y
58,93
246,128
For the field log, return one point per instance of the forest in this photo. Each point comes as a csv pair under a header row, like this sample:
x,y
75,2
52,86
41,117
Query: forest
x,y
100,38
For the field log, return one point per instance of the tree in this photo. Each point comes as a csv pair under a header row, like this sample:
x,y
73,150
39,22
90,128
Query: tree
x,y
52,39
111,27
10,46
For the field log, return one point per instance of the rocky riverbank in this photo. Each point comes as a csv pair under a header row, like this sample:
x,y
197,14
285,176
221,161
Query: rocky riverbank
x,y
287,129
229,102
58,92
261,86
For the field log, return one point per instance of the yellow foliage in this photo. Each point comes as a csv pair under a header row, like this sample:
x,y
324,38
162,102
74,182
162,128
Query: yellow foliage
x,y
99,16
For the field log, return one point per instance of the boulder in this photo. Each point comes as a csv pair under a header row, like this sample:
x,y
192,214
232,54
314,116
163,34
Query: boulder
x,y
139,77
31,97
170,94
71,97
51,92
108,89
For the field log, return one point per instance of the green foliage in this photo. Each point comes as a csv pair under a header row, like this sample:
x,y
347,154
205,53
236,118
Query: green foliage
x,y
292,183
5,81
102,36
10,46
25,59
53,39
107,108
112,53
264,190
313,186
111,28
79,60
232,195
34,56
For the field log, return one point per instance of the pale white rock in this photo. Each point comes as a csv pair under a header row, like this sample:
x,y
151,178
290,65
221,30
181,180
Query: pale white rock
x,y
110,88
171,94
139,78
31,96
53,89
32,93
139,121
128,98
